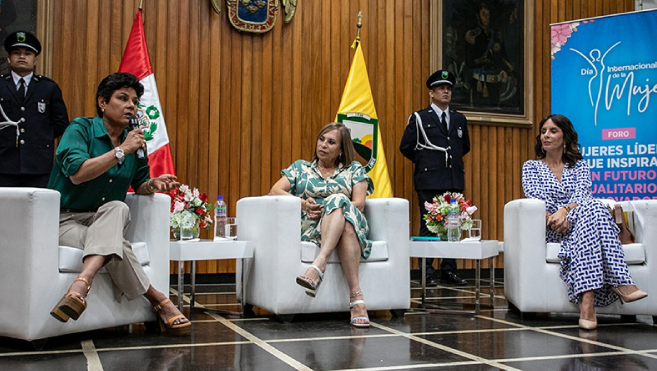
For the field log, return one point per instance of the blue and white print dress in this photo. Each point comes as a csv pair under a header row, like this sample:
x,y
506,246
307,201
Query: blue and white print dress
x,y
333,193
591,254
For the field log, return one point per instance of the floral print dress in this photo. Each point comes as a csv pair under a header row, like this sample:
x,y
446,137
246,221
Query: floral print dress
x,y
591,254
333,193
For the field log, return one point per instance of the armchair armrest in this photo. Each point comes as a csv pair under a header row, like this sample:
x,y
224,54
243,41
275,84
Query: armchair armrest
x,y
645,217
29,230
388,219
149,222
274,224
524,248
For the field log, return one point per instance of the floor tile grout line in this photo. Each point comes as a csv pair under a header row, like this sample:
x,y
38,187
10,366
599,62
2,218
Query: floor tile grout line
x,y
410,367
566,356
91,354
262,344
574,338
446,348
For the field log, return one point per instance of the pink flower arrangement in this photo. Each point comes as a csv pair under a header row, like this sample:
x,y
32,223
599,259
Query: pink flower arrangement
x,y
438,209
189,207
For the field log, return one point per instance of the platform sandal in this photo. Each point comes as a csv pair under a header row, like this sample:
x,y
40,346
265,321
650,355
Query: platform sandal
x,y
360,321
72,304
169,327
310,285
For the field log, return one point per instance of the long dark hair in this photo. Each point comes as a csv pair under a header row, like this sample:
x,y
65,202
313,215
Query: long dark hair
x,y
346,145
571,152
114,82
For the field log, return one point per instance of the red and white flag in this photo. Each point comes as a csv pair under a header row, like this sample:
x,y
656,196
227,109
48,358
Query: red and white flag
x,y
136,61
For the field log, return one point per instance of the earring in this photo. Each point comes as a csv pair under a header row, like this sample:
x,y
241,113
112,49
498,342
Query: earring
x,y
102,110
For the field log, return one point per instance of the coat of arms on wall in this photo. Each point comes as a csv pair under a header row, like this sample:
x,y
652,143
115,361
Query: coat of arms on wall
x,y
257,15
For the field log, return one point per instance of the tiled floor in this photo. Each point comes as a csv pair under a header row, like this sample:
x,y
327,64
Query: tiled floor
x,y
496,339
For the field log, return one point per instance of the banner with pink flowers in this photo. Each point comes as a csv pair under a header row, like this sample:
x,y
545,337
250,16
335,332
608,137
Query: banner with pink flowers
x,y
604,72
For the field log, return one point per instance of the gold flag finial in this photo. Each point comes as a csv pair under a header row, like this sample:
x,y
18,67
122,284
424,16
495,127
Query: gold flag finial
x,y
358,25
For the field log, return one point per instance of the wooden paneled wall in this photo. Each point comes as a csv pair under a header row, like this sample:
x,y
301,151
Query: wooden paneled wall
x,y
239,107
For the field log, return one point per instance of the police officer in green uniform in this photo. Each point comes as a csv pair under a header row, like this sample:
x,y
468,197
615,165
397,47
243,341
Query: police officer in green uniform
x,y
436,139
35,105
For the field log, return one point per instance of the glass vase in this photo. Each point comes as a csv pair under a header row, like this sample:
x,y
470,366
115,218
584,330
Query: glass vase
x,y
185,234
442,234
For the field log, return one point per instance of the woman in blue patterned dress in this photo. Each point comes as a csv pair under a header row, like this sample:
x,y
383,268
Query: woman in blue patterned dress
x,y
332,190
592,259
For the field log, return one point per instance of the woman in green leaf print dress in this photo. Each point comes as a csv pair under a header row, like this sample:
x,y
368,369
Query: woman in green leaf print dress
x,y
332,189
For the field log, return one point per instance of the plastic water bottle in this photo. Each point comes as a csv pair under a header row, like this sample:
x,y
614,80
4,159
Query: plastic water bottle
x,y
453,223
220,218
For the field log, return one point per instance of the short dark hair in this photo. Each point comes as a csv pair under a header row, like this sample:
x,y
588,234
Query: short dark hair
x,y
114,82
571,153
346,145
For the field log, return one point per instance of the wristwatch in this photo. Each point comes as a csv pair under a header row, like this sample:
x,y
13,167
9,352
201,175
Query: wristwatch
x,y
119,154
568,208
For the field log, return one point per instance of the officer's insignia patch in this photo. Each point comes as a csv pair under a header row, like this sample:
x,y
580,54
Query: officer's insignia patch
x,y
364,131
252,15
41,106
444,75
20,36
459,131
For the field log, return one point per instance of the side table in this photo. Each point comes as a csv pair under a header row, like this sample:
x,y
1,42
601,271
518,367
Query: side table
x,y
182,251
477,250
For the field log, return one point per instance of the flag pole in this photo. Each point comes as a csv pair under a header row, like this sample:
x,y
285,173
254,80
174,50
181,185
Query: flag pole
x,y
141,4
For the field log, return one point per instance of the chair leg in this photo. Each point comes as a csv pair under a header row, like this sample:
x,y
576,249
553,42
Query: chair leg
x,y
39,344
397,313
628,318
284,318
248,310
152,327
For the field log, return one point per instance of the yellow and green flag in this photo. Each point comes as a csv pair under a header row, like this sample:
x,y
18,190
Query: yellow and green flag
x,y
357,112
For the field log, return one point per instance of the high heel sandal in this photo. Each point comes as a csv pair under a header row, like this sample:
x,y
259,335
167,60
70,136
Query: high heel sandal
x,y
636,295
586,324
365,319
310,285
169,326
71,305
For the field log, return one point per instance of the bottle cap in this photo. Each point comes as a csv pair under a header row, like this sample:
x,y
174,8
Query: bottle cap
x,y
220,197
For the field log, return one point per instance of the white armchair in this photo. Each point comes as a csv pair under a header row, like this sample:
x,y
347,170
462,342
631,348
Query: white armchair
x,y
531,267
274,223
37,272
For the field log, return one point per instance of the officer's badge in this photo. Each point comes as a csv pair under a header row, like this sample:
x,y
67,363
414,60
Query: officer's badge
x,y
444,75
41,106
364,131
20,36
252,15
459,131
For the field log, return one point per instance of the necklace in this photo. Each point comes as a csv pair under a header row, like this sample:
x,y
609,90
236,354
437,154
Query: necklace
x,y
325,172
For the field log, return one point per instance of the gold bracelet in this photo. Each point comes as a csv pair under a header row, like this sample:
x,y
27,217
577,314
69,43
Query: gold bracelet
x,y
568,208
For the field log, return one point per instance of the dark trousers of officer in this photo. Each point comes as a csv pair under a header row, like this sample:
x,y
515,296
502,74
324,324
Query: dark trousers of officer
x,y
24,180
447,265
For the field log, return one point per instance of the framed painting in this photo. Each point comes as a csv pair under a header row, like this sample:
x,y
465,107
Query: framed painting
x,y
15,15
488,45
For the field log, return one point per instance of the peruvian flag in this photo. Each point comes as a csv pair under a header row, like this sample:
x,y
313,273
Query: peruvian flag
x,y
136,61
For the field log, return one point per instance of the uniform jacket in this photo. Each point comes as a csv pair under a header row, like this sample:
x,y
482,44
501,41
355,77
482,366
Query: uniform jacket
x,y
431,172
45,118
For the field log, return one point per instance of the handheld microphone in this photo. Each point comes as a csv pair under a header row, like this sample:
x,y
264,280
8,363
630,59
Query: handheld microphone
x,y
133,122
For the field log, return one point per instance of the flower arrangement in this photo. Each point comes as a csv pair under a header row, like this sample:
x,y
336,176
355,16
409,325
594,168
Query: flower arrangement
x,y
189,208
438,209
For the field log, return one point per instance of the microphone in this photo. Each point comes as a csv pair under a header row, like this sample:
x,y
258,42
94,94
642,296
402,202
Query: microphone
x,y
133,122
